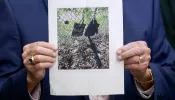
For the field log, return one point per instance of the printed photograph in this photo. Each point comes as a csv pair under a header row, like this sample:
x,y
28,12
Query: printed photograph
x,y
83,38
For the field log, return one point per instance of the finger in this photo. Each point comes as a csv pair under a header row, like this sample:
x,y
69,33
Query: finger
x,y
43,59
132,52
42,51
131,45
41,66
148,51
38,67
42,44
141,66
26,61
25,54
127,47
37,59
142,43
135,59
30,68
26,47
47,45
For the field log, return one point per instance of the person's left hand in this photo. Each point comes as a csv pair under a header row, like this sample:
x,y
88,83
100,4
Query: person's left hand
x,y
136,56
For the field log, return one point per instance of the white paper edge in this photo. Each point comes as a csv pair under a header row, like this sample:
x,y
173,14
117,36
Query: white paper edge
x,y
114,77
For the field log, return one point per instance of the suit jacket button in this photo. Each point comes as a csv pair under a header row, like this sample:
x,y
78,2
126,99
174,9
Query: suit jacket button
x,y
159,96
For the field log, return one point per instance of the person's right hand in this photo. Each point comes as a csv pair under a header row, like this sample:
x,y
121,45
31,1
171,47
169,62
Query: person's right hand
x,y
44,55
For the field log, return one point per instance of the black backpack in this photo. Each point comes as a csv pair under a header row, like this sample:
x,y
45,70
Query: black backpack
x,y
92,28
78,28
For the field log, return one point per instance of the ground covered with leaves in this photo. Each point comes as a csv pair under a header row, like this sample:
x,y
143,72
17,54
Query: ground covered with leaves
x,y
76,52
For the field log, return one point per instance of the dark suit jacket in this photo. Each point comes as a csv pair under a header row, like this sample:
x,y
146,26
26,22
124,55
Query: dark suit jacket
x,y
168,13
26,21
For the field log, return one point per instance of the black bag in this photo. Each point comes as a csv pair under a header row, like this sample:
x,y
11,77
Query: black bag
x,y
78,28
92,28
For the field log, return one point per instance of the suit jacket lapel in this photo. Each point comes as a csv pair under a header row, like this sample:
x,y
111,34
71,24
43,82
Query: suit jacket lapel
x,y
46,4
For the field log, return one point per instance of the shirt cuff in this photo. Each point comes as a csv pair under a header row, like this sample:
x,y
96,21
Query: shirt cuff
x,y
35,95
145,94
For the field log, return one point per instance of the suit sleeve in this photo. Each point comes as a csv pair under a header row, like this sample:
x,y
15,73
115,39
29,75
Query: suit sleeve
x,y
163,58
13,85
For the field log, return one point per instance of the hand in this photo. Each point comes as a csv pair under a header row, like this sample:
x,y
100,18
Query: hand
x,y
44,55
136,56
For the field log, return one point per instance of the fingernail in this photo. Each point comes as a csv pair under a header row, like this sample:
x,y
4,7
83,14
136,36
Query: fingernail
x,y
119,58
119,52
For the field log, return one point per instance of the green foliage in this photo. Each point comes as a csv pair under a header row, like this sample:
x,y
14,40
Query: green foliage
x,y
75,15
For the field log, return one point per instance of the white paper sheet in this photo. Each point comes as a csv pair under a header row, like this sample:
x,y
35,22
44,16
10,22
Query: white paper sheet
x,y
95,81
